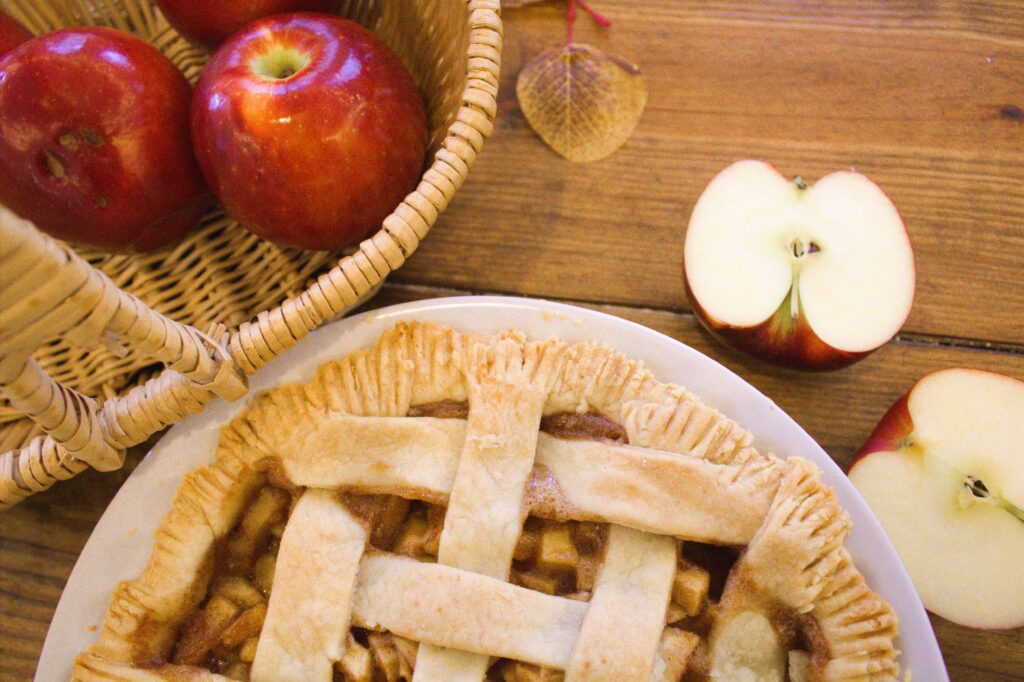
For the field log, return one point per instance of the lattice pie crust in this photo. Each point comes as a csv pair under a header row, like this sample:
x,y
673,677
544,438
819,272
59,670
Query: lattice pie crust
x,y
343,487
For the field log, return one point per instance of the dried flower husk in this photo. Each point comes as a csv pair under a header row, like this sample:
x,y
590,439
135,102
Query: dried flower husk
x,y
583,102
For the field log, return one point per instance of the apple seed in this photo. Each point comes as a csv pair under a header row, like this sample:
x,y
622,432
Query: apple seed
x,y
54,165
90,136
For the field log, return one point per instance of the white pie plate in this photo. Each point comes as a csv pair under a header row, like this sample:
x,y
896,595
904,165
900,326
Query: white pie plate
x,y
120,544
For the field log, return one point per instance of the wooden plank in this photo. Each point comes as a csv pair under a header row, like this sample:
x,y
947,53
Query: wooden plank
x,y
923,98
40,539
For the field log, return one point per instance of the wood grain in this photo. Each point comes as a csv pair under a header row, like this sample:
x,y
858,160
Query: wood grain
x,y
924,97
41,538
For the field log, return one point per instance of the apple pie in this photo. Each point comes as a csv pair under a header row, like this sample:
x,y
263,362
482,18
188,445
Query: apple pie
x,y
450,506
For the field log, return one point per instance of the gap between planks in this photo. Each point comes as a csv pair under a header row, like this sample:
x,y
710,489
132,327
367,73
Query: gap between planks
x,y
411,292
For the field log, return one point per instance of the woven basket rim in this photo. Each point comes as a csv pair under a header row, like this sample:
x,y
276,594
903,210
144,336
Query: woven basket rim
x,y
407,225
76,424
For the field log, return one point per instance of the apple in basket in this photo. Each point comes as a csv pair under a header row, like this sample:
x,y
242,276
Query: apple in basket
x,y
308,129
208,22
12,34
94,143
812,277
944,473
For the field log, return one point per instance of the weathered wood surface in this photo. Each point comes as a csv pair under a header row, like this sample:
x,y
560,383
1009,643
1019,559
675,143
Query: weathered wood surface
x,y
925,97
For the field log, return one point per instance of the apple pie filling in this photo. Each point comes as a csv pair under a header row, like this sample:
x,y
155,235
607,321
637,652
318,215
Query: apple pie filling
x,y
555,557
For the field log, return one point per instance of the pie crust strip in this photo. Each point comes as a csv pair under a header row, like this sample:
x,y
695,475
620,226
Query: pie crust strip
x,y
660,492
448,607
626,614
310,604
508,383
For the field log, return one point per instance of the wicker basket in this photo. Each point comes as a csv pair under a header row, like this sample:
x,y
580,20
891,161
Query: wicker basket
x,y
80,332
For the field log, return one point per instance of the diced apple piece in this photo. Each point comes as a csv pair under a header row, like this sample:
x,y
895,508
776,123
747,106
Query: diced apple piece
x,y
247,625
385,658
356,664
411,538
435,526
239,590
588,537
407,650
238,671
534,581
674,613
247,652
556,551
526,548
266,511
263,572
517,671
746,648
388,521
690,588
204,630
674,652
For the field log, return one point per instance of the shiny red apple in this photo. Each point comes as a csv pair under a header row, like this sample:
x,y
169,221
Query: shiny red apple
x,y
209,22
309,129
94,141
12,34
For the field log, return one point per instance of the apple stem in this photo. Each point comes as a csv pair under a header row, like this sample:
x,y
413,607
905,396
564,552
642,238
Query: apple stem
x,y
800,182
54,165
570,17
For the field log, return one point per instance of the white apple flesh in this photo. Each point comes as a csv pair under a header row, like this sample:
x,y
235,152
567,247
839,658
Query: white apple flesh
x,y
944,474
814,277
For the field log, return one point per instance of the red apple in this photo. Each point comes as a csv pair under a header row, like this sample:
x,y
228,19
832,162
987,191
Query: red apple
x,y
94,143
944,474
808,277
210,21
309,129
12,34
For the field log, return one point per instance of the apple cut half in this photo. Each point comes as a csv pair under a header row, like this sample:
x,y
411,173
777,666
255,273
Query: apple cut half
x,y
812,277
944,473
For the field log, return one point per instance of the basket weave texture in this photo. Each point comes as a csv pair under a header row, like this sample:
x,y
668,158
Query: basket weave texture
x,y
79,328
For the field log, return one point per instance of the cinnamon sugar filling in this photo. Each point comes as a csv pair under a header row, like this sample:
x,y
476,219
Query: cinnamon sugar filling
x,y
554,555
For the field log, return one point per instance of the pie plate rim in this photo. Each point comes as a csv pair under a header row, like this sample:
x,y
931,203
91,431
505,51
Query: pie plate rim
x,y
120,543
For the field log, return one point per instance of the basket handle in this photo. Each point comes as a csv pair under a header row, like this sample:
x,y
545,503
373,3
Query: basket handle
x,y
46,289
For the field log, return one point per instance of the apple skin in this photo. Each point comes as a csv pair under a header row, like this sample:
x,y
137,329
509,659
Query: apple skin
x,y
892,430
94,144
779,340
308,129
12,34
209,22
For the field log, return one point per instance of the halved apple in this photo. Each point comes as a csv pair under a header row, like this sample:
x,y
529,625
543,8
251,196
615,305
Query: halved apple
x,y
944,473
809,277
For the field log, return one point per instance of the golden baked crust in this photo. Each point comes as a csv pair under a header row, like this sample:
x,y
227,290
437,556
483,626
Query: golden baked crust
x,y
687,474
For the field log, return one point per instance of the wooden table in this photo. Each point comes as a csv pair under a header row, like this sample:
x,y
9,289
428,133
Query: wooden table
x,y
925,97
